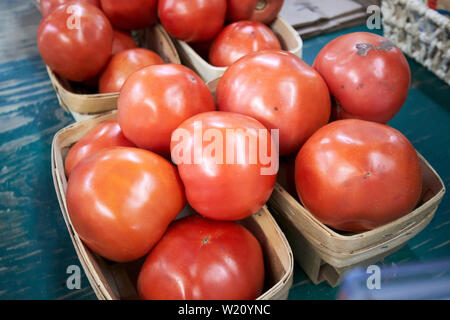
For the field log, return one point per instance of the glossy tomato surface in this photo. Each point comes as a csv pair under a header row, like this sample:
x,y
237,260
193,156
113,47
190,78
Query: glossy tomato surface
x,y
281,91
264,11
130,14
75,43
156,99
225,176
192,20
104,135
367,75
48,6
239,39
123,64
201,259
122,41
357,175
121,200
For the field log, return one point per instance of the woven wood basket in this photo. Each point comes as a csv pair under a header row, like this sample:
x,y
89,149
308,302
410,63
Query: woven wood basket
x,y
326,254
82,103
289,39
112,281
422,33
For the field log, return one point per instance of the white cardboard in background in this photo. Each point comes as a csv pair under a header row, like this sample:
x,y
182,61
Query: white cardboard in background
x,y
312,17
301,12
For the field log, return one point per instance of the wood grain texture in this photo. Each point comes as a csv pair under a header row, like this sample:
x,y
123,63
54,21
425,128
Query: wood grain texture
x,y
35,248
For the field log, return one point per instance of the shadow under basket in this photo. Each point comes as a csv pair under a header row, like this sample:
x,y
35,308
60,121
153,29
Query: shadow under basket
x,y
113,281
82,103
326,254
288,37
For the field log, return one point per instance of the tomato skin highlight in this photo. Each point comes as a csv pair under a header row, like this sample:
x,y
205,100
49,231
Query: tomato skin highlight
x,y
77,53
201,259
104,135
121,200
122,65
262,11
367,75
156,99
192,20
356,175
239,39
281,91
131,14
220,189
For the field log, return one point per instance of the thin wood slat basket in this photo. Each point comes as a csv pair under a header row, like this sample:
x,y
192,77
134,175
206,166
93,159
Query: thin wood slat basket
x,y
81,103
112,281
326,254
422,33
289,39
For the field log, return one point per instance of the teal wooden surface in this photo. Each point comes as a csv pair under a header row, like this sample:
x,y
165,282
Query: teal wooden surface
x,y
35,248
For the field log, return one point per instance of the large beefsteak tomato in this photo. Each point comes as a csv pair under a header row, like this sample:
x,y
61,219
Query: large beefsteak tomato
x,y
201,259
121,200
357,175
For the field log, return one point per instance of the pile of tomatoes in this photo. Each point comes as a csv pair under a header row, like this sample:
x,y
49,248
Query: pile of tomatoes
x,y
353,172
90,41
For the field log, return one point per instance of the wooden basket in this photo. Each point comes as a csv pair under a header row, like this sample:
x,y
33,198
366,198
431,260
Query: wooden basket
x,y
422,33
75,99
112,281
289,39
325,254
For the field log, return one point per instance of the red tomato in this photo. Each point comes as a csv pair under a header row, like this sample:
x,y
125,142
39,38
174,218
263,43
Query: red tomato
x,y
156,99
121,200
357,175
192,20
122,41
218,185
104,135
123,64
75,40
48,6
201,259
239,39
130,14
264,11
367,75
280,90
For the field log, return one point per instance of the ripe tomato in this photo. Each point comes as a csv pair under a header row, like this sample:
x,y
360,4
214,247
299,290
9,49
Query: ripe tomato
x,y
122,65
130,14
228,182
192,20
156,99
75,40
121,200
239,39
367,75
280,90
356,175
202,259
104,135
264,11
122,41
48,6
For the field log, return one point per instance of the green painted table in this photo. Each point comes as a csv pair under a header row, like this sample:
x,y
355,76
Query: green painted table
x,y
35,248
